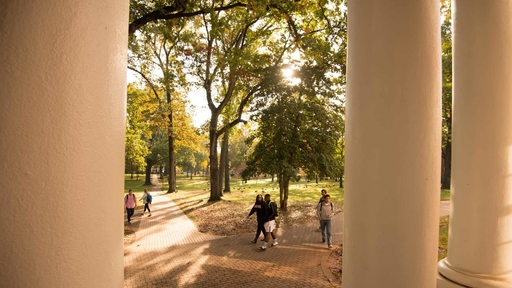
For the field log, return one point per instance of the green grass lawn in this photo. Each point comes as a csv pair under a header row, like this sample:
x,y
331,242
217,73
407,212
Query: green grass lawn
x,y
445,194
299,192
137,185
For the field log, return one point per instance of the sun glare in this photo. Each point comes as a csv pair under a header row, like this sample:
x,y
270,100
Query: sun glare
x,y
287,72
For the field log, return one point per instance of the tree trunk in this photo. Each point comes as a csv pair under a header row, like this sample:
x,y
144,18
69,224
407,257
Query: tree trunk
x,y
284,184
225,147
447,163
172,165
341,181
214,160
446,179
221,168
149,164
172,162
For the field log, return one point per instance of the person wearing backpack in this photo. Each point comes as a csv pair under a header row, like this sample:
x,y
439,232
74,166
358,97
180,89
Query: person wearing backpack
x,y
270,224
324,192
325,211
130,202
259,208
146,199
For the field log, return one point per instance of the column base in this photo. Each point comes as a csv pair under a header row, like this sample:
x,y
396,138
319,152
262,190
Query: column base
x,y
451,277
442,282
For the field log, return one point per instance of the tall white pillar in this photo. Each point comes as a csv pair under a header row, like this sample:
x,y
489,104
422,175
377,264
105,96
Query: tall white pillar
x,y
62,115
393,148
480,239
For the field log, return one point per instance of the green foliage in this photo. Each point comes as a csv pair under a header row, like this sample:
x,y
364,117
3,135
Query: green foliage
x,y
446,44
185,159
238,149
236,51
295,132
137,128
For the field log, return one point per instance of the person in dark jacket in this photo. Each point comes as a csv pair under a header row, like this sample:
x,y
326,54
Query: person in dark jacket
x,y
270,224
259,208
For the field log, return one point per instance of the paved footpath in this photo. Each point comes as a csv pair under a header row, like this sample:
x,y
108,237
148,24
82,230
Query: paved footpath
x,y
169,251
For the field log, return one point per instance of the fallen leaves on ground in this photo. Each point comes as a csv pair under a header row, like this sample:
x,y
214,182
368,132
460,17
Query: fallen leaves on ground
x,y
225,218
334,261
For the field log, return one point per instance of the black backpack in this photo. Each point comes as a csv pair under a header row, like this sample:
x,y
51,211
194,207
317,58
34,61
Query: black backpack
x,y
274,206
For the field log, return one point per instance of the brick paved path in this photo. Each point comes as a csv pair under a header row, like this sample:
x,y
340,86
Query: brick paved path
x,y
169,251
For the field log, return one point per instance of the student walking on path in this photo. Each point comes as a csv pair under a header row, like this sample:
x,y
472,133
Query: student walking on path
x,y
324,192
270,224
146,200
325,211
259,208
130,202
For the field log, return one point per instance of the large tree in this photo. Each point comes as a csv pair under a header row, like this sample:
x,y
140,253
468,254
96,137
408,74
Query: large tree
x,y
231,57
154,57
297,131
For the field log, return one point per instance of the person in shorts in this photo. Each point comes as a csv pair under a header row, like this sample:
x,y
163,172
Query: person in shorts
x,y
270,224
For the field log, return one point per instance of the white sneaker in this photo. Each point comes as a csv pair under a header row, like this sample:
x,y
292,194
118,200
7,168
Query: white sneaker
x,y
274,244
263,248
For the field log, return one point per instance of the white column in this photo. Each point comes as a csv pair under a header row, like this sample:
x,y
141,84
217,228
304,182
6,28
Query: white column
x,y
62,115
393,144
480,239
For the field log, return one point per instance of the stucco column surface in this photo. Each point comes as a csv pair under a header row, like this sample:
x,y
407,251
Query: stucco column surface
x,y
393,144
62,115
480,236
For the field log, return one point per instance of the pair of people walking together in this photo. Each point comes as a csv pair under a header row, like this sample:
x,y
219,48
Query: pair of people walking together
x,y
130,202
267,212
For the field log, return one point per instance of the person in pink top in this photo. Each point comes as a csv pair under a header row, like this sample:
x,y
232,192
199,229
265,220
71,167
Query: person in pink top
x,y
130,202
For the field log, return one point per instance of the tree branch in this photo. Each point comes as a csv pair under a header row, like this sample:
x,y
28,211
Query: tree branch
x,y
147,80
240,110
175,12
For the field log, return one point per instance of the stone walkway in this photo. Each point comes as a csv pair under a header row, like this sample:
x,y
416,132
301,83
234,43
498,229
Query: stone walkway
x,y
169,251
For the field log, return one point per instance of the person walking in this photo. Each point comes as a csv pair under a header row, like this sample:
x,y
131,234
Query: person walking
x,y
324,192
270,224
259,208
325,211
146,200
130,202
